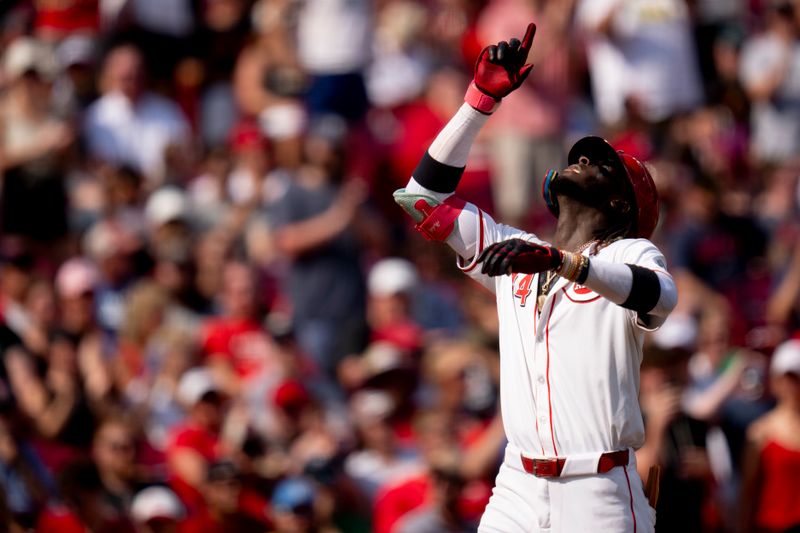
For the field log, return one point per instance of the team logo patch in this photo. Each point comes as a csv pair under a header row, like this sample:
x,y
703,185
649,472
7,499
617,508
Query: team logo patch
x,y
580,294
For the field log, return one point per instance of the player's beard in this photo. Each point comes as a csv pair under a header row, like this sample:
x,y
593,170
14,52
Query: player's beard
x,y
594,194
591,193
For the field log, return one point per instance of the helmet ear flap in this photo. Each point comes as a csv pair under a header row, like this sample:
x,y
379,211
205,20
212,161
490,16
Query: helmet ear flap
x,y
550,199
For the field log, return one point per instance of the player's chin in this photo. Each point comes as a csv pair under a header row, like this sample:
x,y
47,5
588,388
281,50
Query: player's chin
x,y
579,185
568,183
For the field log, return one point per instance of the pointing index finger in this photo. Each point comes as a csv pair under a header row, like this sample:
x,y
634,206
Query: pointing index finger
x,y
527,41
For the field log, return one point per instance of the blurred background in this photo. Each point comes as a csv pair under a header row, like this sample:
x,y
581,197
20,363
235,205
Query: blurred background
x,y
214,318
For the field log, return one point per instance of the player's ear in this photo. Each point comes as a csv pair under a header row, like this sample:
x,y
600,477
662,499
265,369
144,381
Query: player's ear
x,y
620,205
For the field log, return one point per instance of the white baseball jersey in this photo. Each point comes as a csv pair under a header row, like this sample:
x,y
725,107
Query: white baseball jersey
x,y
569,387
570,374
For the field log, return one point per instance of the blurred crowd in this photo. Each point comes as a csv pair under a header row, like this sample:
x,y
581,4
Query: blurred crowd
x,y
214,318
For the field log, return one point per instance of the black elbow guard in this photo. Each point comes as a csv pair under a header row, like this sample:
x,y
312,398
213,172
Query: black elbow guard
x,y
645,290
436,176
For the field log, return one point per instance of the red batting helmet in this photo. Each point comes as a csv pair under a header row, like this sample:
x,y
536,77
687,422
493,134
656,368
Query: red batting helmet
x,y
645,196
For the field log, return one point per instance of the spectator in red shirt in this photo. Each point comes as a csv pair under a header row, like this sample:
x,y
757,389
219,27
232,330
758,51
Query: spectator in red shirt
x,y
224,510
437,436
83,507
197,442
770,499
236,346
390,287
455,503
395,500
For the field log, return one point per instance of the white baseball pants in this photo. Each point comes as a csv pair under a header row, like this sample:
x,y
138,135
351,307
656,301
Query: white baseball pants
x,y
613,502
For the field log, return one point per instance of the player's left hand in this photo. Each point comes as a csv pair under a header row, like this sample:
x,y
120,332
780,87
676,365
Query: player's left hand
x,y
501,68
517,255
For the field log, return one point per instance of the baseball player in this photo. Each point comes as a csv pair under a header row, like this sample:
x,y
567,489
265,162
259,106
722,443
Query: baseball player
x,y
572,316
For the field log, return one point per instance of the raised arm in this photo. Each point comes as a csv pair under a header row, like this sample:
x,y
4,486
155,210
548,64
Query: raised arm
x,y
428,198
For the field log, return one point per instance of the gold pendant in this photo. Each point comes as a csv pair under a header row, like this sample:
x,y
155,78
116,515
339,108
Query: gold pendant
x,y
540,301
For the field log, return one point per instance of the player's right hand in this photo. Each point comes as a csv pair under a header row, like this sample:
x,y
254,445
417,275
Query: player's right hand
x,y
517,255
501,68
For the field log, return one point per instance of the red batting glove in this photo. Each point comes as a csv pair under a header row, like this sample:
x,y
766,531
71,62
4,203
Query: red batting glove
x,y
501,68
517,255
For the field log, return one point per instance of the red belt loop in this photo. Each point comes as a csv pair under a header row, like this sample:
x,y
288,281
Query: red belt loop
x,y
611,459
552,467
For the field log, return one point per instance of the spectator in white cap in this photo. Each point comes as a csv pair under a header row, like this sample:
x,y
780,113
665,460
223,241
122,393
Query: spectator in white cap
x,y
197,443
157,510
33,145
392,275
391,285
167,217
770,500
166,205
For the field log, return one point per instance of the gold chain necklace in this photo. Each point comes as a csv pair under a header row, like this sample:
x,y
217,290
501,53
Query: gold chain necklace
x,y
551,276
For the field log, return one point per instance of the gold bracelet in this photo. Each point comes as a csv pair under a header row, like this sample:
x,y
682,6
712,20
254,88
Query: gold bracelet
x,y
570,266
564,263
576,267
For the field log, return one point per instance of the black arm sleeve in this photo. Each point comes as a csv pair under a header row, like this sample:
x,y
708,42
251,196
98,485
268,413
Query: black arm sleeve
x,y
645,290
437,176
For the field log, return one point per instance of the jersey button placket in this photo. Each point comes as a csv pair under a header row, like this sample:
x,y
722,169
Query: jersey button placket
x,y
540,383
